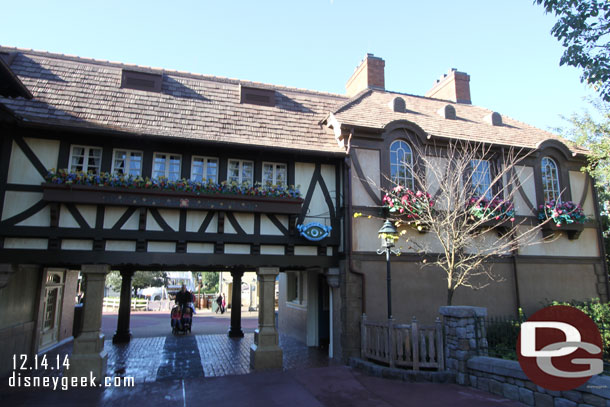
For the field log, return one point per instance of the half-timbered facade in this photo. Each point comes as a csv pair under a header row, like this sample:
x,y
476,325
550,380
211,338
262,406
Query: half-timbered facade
x,y
89,119
110,166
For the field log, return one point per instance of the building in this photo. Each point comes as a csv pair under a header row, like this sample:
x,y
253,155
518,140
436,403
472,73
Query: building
x,y
82,115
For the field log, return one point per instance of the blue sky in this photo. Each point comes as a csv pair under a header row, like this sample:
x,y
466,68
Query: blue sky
x,y
505,45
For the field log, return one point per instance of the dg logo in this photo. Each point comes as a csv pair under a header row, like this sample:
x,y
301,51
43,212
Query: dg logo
x,y
560,348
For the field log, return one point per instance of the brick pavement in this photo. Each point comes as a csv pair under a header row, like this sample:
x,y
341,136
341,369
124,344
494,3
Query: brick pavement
x,y
191,356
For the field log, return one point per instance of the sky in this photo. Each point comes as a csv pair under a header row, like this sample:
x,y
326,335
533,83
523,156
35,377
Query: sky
x,y
504,45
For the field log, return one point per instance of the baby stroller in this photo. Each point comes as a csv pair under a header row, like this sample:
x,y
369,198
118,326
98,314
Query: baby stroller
x,y
181,319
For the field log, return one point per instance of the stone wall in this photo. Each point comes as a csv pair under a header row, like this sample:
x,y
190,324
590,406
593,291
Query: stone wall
x,y
465,338
505,378
466,357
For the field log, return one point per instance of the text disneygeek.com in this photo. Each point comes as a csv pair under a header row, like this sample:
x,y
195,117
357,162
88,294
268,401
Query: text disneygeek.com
x,y
64,383
37,363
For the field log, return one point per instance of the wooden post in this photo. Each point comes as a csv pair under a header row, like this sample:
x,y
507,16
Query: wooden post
x,y
363,337
415,343
439,344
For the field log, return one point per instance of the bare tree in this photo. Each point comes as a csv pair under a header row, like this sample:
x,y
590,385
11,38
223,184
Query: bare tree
x,y
462,194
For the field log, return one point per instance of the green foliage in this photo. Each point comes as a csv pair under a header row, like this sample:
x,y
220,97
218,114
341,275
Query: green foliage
x,y
599,312
502,335
140,279
594,135
582,28
210,280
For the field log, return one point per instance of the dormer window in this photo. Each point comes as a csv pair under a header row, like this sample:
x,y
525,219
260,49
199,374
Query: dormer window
x,y
141,80
257,96
550,180
401,164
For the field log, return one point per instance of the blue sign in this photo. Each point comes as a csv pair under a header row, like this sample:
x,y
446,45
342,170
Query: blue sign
x,y
314,231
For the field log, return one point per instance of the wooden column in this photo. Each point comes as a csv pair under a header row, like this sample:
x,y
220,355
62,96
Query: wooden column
x,y
266,353
235,330
89,356
123,333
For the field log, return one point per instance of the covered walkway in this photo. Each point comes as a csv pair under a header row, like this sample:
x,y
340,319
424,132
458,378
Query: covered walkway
x,y
180,357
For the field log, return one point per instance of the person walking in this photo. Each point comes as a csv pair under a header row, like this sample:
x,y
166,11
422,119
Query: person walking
x,y
224,305
219,303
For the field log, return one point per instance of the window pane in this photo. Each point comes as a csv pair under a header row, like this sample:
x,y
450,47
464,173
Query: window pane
x,y
401,161
267,174
233,174
95,160
159,166
247,171
280,176
135,163
212,170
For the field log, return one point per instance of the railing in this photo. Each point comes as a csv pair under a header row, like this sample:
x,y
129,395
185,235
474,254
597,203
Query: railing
x,y
137,304
411,345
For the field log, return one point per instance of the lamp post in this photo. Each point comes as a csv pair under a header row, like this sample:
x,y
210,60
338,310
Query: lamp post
x,y
388,235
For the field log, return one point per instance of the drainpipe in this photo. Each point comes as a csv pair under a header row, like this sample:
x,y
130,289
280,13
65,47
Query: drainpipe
x,y
514,250
348,222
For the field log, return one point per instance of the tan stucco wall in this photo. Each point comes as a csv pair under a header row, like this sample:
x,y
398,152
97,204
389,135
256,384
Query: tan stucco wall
x,y
563,282
292,318
418,291
369,163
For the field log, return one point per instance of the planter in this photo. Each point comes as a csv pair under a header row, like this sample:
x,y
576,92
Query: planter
x,y
501,226
94,195
572,230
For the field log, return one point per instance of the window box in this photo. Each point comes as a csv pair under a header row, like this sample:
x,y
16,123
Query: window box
x,y
562,216
572,230
91,194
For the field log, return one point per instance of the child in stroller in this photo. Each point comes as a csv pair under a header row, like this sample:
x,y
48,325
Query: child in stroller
x,y
182,313
182,319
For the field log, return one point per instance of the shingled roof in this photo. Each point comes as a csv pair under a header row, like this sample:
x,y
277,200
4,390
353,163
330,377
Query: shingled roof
x,y
86,93
79,92
373,109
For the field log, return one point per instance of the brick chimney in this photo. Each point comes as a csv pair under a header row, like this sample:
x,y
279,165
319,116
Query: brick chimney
x,y
453,86
368,75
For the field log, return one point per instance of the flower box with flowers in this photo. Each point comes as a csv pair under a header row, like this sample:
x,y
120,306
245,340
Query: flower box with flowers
x,y
126,190
409,206
562,216
492,212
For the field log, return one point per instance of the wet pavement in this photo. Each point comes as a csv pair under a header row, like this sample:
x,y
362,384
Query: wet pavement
x,y
190,356
196,370
308,387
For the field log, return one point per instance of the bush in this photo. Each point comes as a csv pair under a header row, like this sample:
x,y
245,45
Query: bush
x,y
599,312
502,335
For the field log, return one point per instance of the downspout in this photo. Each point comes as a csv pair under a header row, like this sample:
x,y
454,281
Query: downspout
x,y
348,224
513,252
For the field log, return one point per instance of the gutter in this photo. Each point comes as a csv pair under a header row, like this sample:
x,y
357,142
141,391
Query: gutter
x,y
348,224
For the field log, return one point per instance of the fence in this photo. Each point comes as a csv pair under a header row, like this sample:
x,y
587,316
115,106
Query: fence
x,y
137,304
411,345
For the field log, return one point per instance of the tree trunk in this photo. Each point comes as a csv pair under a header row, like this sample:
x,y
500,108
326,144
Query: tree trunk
x,y
450,292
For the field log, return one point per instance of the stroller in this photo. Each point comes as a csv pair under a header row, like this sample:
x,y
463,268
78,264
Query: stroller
x,y
181,319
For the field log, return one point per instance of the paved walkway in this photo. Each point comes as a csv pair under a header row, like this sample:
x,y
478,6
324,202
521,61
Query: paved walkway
x,y
208,370
336,386
190,356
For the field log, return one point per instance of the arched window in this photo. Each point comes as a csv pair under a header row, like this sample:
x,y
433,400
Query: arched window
x,y
401,163
550,180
